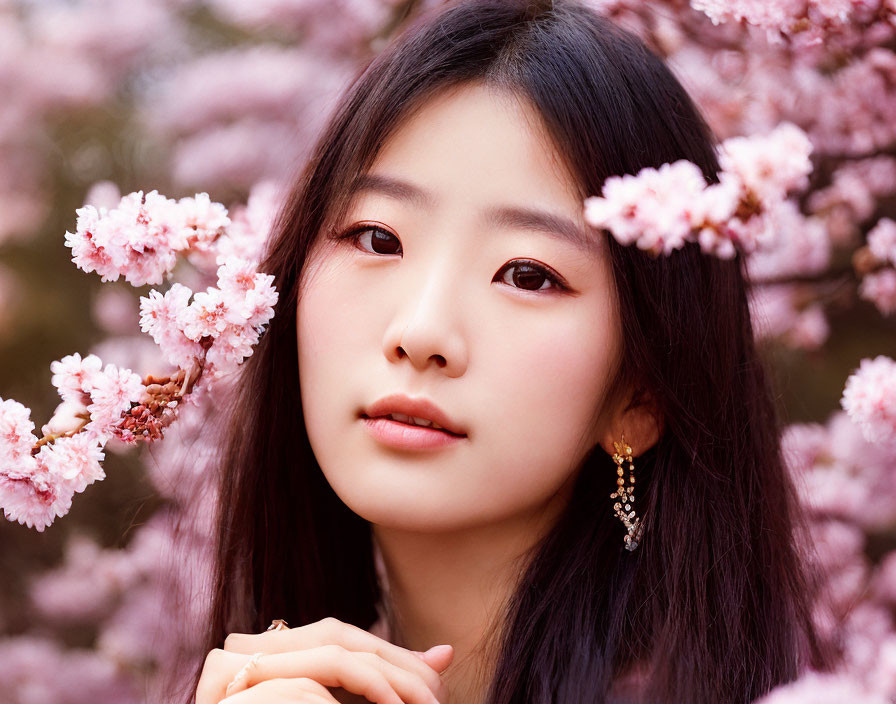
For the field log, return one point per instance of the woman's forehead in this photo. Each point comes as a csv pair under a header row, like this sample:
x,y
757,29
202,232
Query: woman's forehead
x,y
481,137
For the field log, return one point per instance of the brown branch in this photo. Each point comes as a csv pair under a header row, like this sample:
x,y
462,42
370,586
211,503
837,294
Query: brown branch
x,y
160,394
52,437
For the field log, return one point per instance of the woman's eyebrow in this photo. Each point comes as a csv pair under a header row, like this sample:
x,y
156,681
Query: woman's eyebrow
x,y
557,226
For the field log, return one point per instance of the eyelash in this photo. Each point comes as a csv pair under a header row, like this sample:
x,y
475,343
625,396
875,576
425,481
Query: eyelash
x,y
354,233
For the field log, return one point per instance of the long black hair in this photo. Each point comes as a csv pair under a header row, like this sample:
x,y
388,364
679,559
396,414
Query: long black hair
x,y
713,606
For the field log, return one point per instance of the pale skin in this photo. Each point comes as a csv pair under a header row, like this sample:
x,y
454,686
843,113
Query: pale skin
x,y
523,364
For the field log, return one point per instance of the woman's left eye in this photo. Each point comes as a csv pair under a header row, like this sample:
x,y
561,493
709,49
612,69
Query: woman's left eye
x,y
527,276
530,276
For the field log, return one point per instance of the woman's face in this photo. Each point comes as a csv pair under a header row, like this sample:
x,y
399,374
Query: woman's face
x,y
449,301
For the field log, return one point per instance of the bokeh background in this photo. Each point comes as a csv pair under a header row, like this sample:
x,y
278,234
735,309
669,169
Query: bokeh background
x,y
105,97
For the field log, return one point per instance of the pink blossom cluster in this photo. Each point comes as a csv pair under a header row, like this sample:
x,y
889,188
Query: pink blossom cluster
x,y
813,18
797,245
847,485
38,477
852,107
882,241
869,398
226,320
234,117
87,388
841,91
145,603
771,13
141,238
879,285
36,486
660,209
250,227
841,475
210,336
824,688
852,196
789,312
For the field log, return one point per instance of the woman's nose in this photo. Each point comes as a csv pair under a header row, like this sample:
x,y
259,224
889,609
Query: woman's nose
x,y
428,326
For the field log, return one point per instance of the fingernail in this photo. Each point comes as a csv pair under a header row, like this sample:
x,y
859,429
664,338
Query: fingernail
x,y
439,650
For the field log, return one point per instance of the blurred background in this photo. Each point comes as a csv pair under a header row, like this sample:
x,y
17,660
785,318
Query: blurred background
x,y
104,97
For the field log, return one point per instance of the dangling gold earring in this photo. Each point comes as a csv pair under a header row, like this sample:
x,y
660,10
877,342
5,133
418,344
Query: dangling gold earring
x,y
626,495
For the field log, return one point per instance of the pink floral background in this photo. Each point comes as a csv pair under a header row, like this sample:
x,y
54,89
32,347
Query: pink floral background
x,y
103,98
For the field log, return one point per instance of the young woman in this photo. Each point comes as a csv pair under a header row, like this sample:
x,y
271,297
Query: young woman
x,y
433,262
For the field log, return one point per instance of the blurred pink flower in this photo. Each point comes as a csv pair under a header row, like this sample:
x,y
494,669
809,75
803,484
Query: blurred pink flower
x,y
251,224
338,26
869,398
769,165
80,676
114,309
780,311
799,245
823,688
884,582
882,240
84,586
879,287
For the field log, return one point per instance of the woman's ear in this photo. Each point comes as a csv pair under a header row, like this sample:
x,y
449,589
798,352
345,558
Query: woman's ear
x,y
639,417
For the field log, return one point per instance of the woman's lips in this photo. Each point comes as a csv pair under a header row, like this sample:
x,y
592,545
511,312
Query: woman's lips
x,y
404,436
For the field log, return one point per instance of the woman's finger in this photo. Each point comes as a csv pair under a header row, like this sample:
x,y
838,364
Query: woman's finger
x,y
333,631
298,690
332,665
219,669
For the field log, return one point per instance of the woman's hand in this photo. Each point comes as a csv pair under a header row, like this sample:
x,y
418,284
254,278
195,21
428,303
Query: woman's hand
x,y
299,664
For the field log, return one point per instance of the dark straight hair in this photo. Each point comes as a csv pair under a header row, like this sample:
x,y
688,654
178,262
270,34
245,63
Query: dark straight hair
x,y
714,605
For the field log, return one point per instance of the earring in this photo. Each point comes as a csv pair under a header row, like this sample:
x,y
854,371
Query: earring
x,y
626,495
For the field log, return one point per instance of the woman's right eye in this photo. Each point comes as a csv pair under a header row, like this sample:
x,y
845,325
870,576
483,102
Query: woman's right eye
x,y
379,241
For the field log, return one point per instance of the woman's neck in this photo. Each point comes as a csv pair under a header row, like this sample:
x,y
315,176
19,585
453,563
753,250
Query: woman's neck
x,y
454,587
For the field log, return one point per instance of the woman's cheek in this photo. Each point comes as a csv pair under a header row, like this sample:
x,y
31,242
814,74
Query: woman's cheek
x,y
548,388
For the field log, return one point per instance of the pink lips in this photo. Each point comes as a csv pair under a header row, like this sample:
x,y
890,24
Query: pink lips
x,y
403,436
406,436
418,407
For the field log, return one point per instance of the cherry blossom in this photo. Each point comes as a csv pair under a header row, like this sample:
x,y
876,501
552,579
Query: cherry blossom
x,y
111,392
37,483
650,209
73,461
141,238
880,288
208,336
882,240
661,209
823,688
16,437
869,398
